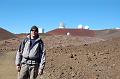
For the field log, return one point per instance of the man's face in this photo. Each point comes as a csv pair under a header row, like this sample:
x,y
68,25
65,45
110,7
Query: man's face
x,y
34,32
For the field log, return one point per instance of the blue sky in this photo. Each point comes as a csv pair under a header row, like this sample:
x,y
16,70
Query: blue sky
x,y
17,16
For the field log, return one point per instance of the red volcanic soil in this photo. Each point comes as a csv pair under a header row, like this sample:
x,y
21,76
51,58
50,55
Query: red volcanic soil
x,y
4,34
73,32
77,57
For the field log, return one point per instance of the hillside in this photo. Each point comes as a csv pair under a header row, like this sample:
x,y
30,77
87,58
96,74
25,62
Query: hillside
x,y
70,57
73,32
4,34
107,34
89,61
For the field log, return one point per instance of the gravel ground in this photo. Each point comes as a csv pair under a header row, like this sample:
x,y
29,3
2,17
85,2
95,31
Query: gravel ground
x,y
69,57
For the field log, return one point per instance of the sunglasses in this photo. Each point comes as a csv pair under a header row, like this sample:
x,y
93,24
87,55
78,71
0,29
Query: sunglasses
x,y
34,30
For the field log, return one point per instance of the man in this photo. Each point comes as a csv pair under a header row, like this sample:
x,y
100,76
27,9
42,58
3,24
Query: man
x,y
30,57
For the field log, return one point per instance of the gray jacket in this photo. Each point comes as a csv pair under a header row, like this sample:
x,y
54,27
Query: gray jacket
x,y
31,55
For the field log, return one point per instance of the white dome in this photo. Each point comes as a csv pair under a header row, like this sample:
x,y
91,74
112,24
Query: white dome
x,y
61,25
86,27
80,26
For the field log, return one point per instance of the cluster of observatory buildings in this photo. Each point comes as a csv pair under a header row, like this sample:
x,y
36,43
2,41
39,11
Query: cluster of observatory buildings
x,y
62,30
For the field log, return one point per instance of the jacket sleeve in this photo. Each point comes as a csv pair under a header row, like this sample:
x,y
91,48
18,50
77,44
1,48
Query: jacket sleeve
x,y
18,58
43,58
19,54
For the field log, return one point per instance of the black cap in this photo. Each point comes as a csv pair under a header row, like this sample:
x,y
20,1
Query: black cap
x,y
34,27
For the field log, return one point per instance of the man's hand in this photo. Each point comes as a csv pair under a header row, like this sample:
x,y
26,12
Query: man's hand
x,y
18,68
40,71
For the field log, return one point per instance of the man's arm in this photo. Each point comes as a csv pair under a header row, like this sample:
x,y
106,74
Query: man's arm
x,y
18,59
19,55
42,63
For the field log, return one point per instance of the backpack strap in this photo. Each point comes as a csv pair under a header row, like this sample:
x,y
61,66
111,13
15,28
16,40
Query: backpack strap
x,y
22,45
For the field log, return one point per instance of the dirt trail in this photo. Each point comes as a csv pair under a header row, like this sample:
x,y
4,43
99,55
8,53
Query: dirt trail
x,y
7,66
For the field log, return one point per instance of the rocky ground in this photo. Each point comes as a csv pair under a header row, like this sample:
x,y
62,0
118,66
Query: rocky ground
x,y
69,57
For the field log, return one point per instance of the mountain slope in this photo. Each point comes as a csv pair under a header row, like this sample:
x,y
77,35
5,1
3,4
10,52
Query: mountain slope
x,y
4,34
